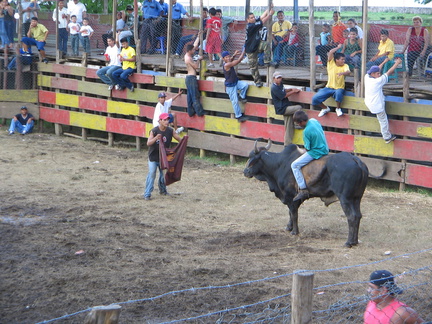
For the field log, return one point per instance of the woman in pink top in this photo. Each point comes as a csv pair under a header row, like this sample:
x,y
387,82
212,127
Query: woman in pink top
x,y
384,308
417,41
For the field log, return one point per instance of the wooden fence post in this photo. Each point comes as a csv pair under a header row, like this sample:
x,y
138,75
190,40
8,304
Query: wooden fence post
x,y
103,315
301,298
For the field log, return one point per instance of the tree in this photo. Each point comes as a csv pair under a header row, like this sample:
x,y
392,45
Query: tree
x,y
93,7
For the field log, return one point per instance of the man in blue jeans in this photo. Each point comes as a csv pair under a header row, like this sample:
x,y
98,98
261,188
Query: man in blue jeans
x,y
316,146
164,134
111,54
36,36
23,122
128,59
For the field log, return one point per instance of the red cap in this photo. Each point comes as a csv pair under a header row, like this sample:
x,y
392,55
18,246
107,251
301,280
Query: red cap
x,y
163,116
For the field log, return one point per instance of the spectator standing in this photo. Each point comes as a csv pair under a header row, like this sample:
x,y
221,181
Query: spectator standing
x,y
233,85
30,9
3,35
120,27
352,48
214,37
160,135
112,55
74,29
351,23
128,58
164,7
164,106
86,33
316,146
335,87
226,21
77,8
193,94
383,306
374,96
190,38
417,41
151,13
386,49
283,106
23,122
280,29
36,36
62,26
254,44
177,11
324,45
9,22
292,41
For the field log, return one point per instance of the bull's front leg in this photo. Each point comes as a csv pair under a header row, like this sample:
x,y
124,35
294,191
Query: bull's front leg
x,y
293,220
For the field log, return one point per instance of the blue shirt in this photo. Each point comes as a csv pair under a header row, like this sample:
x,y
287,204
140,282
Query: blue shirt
x,y
164,8
151,9
314,139
178,11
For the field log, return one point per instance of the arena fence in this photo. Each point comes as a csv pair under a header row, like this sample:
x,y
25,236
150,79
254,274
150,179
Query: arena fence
x,y
332,296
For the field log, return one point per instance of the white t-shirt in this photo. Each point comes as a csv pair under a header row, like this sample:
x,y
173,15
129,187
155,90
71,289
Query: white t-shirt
x,y
374,96
161,109
74,28
113,53
62,21
77,10
86,31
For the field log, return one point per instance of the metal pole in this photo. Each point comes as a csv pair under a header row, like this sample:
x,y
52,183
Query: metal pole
x,y
365,46
296,11
312,46
169,37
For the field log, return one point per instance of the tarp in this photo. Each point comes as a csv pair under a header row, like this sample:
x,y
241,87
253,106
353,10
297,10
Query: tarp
x,y
172,160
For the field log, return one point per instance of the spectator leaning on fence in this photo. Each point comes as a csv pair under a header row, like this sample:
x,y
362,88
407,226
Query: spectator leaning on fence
x,y
417,41
77,8
62,26
254,44
23,122
386,49
233,85
112,55
36,36
335,87
128,58
383,306
374,96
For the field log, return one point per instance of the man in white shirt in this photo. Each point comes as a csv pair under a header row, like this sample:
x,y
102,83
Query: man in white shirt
x,y
77,8
163,106
112,54
374,96
62,25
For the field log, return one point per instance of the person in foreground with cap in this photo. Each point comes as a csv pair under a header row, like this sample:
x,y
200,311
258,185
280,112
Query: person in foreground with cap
x,y
162,133
163,106
283,106
384,308
374,96
23,122
233,84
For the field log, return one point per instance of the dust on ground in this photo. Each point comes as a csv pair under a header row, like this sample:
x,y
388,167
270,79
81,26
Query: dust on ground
x,y
76,233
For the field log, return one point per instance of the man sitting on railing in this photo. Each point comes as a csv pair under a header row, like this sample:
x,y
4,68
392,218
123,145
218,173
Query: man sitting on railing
x,y
128,59
36,36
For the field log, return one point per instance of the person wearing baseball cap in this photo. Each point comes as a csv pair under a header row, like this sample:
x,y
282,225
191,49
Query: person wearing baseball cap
x,y
383,306
163,106
232,83
283,106
22,122
374,97
160,134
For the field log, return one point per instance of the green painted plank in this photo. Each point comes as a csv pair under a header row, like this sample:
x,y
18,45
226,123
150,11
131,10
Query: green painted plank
x,y
22,95
410,110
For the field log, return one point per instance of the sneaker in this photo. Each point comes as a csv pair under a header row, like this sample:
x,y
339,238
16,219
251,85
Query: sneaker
x,y
132,89
11,133
147,198
391,139
339,112
117,87
179,130
324,112
45,60
210,65
242,119
110,87
259,84
164,193
243,100
23,133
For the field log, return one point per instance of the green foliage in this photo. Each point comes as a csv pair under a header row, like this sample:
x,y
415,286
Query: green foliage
x,y
93,7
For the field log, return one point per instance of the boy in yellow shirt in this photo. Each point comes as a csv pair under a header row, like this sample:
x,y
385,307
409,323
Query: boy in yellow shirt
x,y
336,70
128,58
36,36
386,49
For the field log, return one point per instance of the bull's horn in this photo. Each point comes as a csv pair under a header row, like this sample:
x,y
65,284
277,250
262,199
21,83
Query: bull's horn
x,y
255,147
268,145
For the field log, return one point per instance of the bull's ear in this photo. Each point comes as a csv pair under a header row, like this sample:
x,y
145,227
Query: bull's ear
x,y
269,144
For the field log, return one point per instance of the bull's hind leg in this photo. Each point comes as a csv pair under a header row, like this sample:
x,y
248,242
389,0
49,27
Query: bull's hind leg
x,y
351,209
293,220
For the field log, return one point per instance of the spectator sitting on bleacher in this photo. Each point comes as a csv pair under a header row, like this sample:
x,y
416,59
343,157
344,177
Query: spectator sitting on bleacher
x,y
190,38
62,26
77,8
225,25
26,59
386,49
151,13
351,23
337,38
86,33
324,44
111,55
36,36
335,87
292,41
280,29
128,59
352,48
74,29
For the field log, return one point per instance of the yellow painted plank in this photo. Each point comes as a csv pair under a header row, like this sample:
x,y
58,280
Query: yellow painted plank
x,y
373,145
298,137
124,108
94,88
63,99
409,109
423,131
271,113
165,81
88,120
364,123
263,92
44,81
225,125
348,103
21,95
216,104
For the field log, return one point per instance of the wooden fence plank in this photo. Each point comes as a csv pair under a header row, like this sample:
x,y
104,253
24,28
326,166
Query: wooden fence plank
x,y
419,175
88,120
56,116
127,127
21,95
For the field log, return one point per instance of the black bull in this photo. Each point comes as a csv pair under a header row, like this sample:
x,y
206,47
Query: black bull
x,y
340,176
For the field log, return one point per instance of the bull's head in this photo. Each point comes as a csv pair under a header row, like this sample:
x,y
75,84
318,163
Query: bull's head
x,y
253,167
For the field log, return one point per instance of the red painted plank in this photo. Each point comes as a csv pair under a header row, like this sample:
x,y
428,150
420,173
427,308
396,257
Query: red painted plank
x,y
419,175
146,111
331,119
125,126
121,94
405,128
413,150
256,109
340,142
47,97
142,78
91,73
261,130
204,85
63,83
93,104
54,115
302,96
184,120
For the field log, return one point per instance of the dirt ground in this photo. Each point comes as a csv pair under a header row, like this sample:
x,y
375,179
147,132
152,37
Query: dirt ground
x,y
76,233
